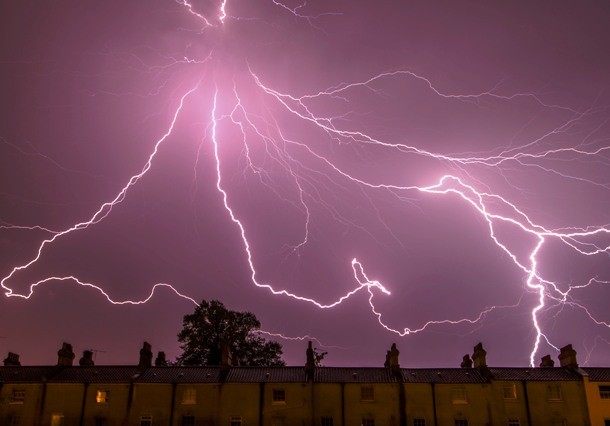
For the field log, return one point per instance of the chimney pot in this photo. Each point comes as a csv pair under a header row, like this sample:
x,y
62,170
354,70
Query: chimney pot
x,y
479,356
466,362
567,357
12,360
547,361
87,359
145,356
65,356
160,361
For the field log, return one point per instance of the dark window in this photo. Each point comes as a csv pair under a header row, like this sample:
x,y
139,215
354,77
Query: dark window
x,y
14,420
100,421
461,422
146,421
17,396
327,421
279,395
367,393
604,392
188,420
235,421
419,422
514,422
368,422
607,422
554,392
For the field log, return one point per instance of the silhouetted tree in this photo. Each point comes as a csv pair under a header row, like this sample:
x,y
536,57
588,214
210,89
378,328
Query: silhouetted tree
x,y
211,326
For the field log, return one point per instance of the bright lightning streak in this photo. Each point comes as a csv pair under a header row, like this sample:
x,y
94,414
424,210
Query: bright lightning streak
x,y
494,209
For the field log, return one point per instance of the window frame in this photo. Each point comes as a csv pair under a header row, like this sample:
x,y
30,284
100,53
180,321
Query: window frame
x,y
367,393
459,395
604,391
553,392
189,396
368,421
419,421
102,396
327,421
509,391
17,396
278,396
235,421
146,420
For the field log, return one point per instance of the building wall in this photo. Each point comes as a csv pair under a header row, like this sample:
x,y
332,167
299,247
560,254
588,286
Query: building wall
x,y
475,406
546,405
598,407
419,402
24,411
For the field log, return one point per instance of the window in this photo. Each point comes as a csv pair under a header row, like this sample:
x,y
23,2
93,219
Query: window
x,y
558,422
17,397
553,392
100,421
101,396
279,396
235,421
461,422
514,422
57,420
604,392
189,396
188,420
459,395
278,421
146,421
327,421
368,422
14,420
419,422
510,391
606,422
367,393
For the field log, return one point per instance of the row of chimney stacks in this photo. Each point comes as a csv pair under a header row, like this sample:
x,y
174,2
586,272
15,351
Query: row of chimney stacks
x,y
567,358
65,357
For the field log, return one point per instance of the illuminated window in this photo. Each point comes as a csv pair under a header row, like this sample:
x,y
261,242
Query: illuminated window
x,y
146,421
101,396
188,420
459,395
189,396
367,393
327,421
57,420
419,422
368,422
513,422
553,392
510,391
461,422
17,396
235,421
604,392
279,396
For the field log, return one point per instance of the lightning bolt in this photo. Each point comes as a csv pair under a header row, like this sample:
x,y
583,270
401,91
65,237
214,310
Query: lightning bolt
x,y
494,209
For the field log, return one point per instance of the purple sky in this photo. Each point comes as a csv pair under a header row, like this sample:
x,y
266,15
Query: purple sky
x,y
332,124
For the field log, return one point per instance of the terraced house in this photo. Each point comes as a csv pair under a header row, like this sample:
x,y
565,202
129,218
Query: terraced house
x,y
150,395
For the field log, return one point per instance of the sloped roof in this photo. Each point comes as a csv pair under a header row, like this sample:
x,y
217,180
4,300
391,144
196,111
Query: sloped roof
x,y
533,374
442,375
28,374
266,374
598,374
353,375
96,374
180,375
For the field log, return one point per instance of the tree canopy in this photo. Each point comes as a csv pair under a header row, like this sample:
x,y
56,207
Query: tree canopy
x,y
212,325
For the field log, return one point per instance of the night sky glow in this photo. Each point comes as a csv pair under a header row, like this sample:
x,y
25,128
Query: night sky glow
x,y
356,172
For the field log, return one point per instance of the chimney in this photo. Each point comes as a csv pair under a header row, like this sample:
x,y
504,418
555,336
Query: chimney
x,y
87,359
310,365
392,359
145,356
478,356
160,361
12,360
547,361
466,362
567,357
65,356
